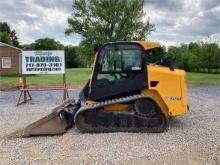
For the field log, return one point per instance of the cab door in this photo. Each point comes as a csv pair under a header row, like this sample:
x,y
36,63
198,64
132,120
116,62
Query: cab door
x,y
119,71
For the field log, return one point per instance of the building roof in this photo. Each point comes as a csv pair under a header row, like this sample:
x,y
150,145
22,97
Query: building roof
x,y
3,44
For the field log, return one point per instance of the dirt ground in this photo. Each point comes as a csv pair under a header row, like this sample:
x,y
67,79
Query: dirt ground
x,y
190,139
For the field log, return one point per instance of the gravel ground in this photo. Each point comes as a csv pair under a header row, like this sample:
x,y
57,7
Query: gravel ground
x,y
191,139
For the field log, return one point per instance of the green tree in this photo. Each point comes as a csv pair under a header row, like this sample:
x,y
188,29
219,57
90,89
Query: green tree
x,y
99,21
27,46
218,58
5,28
195,59
5,38
210,56
71,59
14,38
47,44
156,54
182,56
197,56
85,53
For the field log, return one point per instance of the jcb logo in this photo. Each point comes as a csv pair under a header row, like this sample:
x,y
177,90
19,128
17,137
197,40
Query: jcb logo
x,y
174,98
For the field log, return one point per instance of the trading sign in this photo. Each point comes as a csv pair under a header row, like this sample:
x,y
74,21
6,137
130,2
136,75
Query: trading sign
x,y
43,62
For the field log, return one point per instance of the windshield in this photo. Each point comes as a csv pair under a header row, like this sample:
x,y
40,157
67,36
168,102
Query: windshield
x,y
119,61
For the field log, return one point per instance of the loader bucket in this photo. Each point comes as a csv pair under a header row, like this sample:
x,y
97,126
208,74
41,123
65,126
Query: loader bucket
x,y
52,124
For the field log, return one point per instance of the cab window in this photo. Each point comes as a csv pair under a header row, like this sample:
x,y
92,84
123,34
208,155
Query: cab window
x,y
119,62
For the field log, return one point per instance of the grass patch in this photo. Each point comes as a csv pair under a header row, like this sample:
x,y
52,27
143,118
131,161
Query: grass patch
x,y
79,76
76,76
203,78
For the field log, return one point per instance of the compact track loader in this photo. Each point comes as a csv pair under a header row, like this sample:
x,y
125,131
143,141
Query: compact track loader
x,y
124,93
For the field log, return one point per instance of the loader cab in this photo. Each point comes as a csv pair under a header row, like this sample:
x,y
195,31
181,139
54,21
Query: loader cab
x,y
119,71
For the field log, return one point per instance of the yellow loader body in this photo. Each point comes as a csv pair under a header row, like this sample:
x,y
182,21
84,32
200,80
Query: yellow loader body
x,y
124,93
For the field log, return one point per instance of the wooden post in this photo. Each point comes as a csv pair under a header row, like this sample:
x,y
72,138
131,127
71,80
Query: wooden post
x,y
65,91
25,86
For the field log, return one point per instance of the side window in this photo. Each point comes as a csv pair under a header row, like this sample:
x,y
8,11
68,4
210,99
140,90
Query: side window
x,y
131,60
6,62
111,61
119,63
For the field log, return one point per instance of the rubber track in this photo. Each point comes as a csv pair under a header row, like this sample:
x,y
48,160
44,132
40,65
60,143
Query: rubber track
x,y
97,106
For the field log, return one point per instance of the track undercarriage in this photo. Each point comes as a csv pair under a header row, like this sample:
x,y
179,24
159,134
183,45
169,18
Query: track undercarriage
x,y
142,115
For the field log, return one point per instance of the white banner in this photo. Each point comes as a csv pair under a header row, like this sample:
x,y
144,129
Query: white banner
x,y
43,62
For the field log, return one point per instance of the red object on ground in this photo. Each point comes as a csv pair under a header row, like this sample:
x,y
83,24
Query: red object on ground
x,y
21,83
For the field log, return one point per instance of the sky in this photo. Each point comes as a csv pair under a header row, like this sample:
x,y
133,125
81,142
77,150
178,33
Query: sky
x,y
176,21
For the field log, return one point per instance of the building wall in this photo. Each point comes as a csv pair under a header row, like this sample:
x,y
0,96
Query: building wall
x,y
6,51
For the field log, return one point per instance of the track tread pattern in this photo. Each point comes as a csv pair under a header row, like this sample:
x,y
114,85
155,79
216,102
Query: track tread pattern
x,y
135,117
